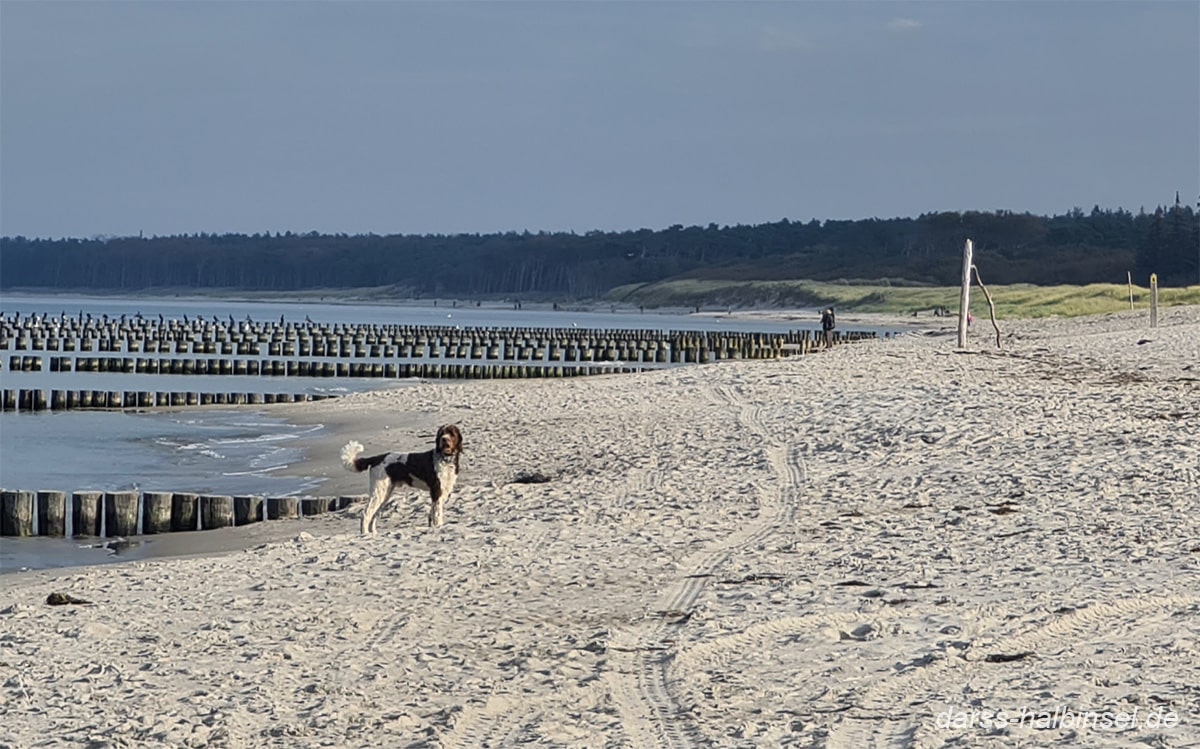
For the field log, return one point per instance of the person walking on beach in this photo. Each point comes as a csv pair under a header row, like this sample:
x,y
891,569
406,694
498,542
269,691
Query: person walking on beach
x,y
827,325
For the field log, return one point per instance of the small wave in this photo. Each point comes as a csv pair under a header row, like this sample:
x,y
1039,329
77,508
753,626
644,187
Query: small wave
x,y
259,439
278,457
257,472
176,444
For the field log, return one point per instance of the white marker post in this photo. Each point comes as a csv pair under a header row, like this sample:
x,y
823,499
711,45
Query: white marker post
x,y
964,301
1154,300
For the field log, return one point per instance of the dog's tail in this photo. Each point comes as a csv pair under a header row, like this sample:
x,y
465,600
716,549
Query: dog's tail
x,y
350,455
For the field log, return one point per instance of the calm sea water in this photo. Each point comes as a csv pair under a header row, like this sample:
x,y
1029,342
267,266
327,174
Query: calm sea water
x,y
203,451
424,313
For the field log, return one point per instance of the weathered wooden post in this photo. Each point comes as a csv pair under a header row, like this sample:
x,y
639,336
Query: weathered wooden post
x,y
216,512
283,508
121,513
317,505
16,513
1129,282
184,516
156,512
964,300
52,513
247,510
85,513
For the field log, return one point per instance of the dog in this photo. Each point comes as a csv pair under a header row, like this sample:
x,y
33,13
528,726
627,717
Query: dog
x,y
434,470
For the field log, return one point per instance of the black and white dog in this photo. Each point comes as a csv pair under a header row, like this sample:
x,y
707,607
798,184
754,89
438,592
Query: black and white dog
x,y
434,470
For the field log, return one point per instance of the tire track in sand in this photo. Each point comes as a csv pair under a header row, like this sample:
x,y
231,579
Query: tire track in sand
x,y
644,657
503,719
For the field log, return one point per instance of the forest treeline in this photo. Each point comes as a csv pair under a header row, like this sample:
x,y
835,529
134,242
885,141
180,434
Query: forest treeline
x,y
1077,247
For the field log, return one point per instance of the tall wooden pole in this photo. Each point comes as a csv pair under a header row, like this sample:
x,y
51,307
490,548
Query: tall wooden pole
x,y
964,302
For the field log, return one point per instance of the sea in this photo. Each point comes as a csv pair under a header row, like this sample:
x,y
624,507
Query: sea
x,y
243,450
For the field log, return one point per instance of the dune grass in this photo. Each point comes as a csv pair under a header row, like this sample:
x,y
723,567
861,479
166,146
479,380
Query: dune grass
x,y
1014,301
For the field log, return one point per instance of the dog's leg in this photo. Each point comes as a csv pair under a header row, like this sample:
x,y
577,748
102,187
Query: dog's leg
x,y
381,489
437,512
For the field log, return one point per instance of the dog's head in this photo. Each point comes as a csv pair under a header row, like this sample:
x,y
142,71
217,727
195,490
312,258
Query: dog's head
x,y
448,443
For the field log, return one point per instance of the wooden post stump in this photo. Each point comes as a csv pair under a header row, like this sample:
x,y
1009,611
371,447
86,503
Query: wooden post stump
x,y
156,512
184,515
247,510
317,506
52,513
16,513
282,508
85,513
121,513
216,512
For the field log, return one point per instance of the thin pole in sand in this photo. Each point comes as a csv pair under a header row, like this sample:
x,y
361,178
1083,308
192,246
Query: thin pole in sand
x,y
964,301
1154,300
1129,281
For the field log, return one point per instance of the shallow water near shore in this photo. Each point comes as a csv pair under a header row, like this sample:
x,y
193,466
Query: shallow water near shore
x,y
207,452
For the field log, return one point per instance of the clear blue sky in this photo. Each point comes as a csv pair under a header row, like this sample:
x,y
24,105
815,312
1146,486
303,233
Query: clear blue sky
x,y
404,117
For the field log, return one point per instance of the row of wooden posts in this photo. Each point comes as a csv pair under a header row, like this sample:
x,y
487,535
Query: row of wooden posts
x,y
44,332
32,399
131,513
693,349
504,353
388,341
303,368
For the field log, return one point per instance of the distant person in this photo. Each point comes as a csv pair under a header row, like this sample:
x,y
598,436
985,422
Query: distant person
x,y
828,323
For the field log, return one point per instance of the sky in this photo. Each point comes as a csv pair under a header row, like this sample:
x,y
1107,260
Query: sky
x,y
167,117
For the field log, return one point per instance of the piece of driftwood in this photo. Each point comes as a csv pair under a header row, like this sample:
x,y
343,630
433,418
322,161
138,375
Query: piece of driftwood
x,y
62,599
1007,657
991,306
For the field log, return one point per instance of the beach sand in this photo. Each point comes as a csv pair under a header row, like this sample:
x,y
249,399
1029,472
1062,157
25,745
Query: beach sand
x,y
880,545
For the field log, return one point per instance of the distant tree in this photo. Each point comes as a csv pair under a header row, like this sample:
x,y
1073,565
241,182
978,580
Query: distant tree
x,y
1070,248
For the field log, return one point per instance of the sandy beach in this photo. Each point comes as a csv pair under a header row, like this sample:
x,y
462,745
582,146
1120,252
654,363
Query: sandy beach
x,y
893,543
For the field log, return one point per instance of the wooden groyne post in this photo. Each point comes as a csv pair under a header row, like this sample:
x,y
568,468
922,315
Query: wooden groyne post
x,y
85,513
121,513
17,513
156,512
52,513
130,513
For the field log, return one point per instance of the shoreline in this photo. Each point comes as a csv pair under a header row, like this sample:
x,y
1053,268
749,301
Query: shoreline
x,y
834,549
